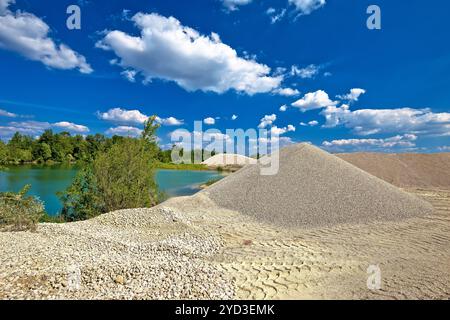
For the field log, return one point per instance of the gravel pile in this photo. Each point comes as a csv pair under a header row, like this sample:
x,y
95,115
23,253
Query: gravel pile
x,y
229,160
129,254
314,188
405,169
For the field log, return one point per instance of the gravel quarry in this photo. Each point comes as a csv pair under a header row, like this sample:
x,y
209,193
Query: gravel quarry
x,y
314,188
197,248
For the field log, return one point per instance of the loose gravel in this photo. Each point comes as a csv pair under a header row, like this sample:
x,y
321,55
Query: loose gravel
x,y
314,188
129,254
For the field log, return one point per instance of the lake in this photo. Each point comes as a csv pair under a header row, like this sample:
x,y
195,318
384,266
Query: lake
x,y
46,181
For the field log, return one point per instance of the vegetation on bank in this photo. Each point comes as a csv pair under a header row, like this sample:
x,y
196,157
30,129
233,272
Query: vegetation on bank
x,y
121,177
115,173
19,212
182,166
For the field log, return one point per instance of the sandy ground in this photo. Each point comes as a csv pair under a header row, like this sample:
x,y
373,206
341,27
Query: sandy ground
x,y
187,248
265,262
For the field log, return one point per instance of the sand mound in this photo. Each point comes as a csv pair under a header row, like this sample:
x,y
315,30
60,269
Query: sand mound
x,y
405,170
229,160
314,188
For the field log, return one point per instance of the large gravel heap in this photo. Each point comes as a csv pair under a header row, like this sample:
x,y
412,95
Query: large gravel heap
x,y
314,188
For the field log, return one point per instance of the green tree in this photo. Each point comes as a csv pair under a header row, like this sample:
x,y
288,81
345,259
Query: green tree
x,y
120,177
42,152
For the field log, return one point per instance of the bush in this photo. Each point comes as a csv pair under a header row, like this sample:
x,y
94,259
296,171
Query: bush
x,y
121,177
19,212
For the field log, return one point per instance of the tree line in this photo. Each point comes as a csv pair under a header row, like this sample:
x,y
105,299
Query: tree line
x,y
63,147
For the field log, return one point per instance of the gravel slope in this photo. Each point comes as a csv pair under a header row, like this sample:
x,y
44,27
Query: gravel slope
x,y
314,188
405,170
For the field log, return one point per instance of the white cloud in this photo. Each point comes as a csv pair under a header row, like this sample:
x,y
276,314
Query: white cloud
x,y
4,4
267,121
291,128
123,116
35,128
209,121
125,131
373,121
278,131
4,113
119,115
287,92
170,51
28,35
444,149
353,95
312,123
283,108
402,141
130,75
233,5
274,16
171,121
314,100
72,127
305,73
305,7
234,117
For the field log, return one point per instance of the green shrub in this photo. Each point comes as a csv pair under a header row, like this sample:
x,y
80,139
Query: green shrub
x,y
19,212
121,177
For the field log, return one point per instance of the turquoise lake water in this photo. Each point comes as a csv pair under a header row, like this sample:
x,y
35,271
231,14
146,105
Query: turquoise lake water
x,y
46,181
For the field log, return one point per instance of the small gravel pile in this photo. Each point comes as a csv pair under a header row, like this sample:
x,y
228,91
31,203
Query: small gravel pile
x,y
314,188
223,160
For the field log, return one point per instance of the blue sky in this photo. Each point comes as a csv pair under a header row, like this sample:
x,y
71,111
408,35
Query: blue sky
x,y
344,87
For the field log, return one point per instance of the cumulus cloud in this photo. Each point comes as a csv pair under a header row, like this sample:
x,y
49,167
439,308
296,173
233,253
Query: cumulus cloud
x,y
4,113
72,127
398,141
28,35
314,100
234,117
305,7
171,121
305,73
119,115
283,108
378,121
35,128
234,5
123,116
125,131
312,123
167,50
209,121
287,92
353,95
267,121
130,75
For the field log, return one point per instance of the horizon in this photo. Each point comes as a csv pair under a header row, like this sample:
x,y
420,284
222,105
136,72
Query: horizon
x,y
308,71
